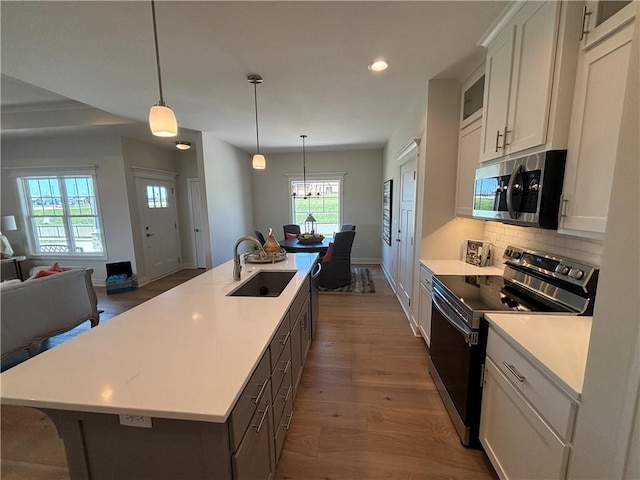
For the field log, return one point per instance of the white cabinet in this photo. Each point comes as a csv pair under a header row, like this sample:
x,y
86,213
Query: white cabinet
x,y
468,154
602,18
424,316
520,75
527,419
593,136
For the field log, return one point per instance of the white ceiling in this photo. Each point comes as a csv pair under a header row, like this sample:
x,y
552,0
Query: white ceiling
x,y
313,56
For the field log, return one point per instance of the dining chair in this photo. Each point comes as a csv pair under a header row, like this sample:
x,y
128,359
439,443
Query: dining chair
x,y
347,227
336,264
292,229
260,236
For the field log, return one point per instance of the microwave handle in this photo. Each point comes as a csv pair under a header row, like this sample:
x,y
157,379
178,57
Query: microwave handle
x,y
517,173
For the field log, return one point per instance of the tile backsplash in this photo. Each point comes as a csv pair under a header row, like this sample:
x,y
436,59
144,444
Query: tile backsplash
x,y
549,241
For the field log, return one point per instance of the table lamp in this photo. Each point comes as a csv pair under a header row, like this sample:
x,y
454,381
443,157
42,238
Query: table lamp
x,y
7,224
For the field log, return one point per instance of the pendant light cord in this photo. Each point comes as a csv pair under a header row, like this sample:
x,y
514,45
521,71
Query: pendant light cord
x,y
155,37
304,170
255,101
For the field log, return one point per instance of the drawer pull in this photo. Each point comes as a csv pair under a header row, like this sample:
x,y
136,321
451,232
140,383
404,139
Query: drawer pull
x,y
286,397
286,367
286,338
289,422
256,400
513,370
264,415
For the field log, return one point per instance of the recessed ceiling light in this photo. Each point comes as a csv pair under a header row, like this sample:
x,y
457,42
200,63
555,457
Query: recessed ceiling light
x,y
379,65
183,145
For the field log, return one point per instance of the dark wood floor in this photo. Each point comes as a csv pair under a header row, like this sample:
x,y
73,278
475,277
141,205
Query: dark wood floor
x,y
366,408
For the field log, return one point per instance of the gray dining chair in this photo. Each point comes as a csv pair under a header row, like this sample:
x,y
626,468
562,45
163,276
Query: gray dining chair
x,y
336,266
347,227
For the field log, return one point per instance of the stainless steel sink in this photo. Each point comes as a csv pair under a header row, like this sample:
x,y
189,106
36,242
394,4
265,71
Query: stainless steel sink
x,y
264,284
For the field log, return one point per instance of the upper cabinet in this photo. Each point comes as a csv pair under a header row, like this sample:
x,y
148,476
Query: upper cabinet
x,y
530,68
602,18
596,118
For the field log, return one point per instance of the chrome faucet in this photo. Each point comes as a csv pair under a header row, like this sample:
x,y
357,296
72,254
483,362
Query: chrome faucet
x,y
236,258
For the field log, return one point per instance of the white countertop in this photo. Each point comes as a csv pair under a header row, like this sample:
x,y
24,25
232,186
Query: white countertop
x,y
556,344
185,354
458,267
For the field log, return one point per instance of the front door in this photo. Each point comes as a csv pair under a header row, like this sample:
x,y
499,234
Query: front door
x,y
160,226
405,234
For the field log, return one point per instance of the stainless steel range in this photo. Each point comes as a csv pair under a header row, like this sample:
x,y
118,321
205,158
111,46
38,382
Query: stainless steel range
x,y
532,282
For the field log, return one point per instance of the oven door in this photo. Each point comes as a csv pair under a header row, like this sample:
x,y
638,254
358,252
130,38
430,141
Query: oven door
x,y
456,359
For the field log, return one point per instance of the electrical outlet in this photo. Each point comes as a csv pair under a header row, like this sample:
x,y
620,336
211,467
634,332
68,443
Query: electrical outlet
x,y
135,421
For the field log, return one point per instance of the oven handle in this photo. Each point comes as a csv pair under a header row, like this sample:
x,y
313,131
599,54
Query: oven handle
x,y
451,317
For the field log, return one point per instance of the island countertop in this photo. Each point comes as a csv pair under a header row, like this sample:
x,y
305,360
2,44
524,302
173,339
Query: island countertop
x,y
185,354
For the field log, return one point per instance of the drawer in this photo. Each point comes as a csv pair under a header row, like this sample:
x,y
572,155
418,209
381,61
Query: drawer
x,y
254,392
280,340
283,396
281,428
425,277
298,302
540,391
281,371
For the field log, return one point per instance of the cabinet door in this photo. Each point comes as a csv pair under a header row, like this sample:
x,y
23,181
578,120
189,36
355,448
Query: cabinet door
x,y
296,355
252,460
593,136
424,321
496,93
603,18
468,157
305,332
532,76
516,439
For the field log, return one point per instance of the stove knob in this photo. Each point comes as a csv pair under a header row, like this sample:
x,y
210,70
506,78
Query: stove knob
x,y
577,274
562,269
508,252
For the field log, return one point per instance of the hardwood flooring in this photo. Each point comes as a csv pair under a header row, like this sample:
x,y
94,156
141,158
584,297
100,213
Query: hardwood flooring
x,y
366,407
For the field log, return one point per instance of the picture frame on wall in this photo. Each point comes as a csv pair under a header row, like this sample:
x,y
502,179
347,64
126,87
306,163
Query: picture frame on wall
x,y
387,195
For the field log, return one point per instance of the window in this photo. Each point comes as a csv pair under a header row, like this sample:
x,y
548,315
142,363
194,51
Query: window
x,y
323,199
62,214
157,196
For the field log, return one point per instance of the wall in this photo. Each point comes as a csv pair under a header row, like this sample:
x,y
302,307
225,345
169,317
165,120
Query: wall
x,y
410,126
362,194
103,152
227,177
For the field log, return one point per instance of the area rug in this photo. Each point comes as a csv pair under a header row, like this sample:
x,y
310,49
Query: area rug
x,y
361,282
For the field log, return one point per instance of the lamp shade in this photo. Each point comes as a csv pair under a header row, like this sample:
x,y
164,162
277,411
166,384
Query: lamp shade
x,y
8,223
162,121
310,218
259,162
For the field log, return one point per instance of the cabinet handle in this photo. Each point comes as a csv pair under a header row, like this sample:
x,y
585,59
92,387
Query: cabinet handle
x,y
264,415
286,397
504,138
289,422
260,393
286,367
515,372
563,206
498,135
583,30
286,338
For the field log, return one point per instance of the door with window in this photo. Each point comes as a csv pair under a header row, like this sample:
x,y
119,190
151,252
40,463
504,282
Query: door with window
x,y
160,226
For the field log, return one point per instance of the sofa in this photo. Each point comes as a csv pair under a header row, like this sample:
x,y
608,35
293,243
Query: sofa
x,y
40,308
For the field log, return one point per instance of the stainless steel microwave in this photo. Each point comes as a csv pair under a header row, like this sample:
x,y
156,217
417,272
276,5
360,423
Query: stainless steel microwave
x,y
522,191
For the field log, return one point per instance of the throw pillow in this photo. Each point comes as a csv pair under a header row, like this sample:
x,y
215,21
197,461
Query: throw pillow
x,y
327,256
291,236
55,268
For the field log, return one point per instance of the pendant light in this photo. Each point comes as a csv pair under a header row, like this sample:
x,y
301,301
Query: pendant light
x,y
258,161
162,120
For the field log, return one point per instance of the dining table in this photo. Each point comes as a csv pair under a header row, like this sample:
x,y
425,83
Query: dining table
x,y
293,245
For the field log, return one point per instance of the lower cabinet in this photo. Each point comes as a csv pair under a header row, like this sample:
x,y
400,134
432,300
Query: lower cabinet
x,y
527,420
424,316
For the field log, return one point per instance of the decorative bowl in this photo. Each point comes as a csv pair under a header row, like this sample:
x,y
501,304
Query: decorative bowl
x,y
310,238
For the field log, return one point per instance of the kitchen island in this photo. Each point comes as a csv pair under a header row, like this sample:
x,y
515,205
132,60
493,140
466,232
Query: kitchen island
x,y
171,388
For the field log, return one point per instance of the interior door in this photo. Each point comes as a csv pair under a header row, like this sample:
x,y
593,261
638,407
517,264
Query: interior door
x,y
160,226
405,234
196,222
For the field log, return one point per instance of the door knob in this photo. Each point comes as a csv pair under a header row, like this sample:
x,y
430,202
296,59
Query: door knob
x,y
150,234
